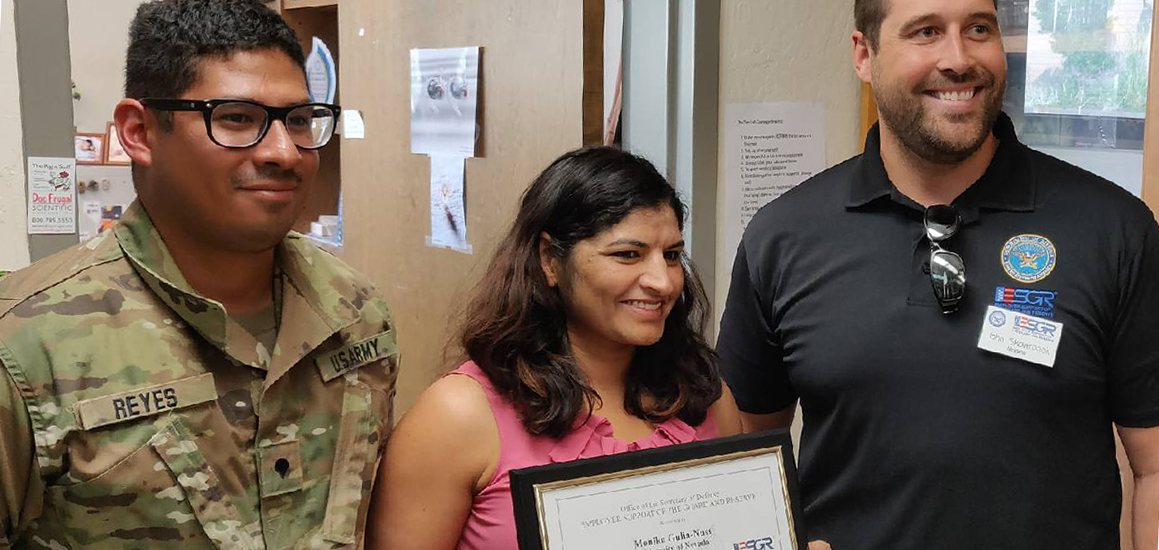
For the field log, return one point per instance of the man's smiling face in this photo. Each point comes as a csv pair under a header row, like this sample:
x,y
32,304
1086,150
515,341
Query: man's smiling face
x,y
939,75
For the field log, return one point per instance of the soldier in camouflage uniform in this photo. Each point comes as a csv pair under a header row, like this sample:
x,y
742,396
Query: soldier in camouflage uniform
x,y
199,377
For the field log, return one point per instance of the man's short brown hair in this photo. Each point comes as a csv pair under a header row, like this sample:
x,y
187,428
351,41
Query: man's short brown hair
x,y
867,18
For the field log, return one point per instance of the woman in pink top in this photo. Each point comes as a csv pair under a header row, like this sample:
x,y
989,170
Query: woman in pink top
x,y
584,339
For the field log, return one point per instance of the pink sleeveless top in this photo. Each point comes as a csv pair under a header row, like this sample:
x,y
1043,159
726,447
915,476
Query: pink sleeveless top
x,y
491,525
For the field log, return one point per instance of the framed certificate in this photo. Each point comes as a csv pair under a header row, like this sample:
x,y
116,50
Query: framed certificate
x,y
736,493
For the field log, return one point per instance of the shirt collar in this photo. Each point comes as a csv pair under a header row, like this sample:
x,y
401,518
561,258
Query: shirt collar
x,y
1007,184
321,295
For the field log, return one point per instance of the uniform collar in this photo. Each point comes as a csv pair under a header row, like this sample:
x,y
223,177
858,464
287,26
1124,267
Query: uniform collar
x,y
1007,184
319,295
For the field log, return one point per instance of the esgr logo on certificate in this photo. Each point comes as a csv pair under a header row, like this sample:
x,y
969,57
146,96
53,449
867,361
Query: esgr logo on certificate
x,y
755,544
1026,337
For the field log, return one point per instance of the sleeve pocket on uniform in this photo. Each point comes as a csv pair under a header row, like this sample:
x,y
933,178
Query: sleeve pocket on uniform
x,y
211,505
354,451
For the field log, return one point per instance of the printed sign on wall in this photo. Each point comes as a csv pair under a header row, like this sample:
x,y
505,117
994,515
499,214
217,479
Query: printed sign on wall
x,y
51,196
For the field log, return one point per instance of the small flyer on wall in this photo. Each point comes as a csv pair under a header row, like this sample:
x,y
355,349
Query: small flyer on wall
x,y
448,215
444,92
320,74
770,148
90,220
51,196
96,218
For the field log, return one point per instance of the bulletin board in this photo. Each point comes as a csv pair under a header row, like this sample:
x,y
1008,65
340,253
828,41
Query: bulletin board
x,y
530,98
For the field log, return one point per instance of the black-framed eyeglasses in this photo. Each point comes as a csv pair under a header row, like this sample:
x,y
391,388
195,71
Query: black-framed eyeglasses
x,y
238,123
947,270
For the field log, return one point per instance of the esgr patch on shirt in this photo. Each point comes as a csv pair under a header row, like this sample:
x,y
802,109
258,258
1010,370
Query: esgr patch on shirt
x,y
1039,303
1028,258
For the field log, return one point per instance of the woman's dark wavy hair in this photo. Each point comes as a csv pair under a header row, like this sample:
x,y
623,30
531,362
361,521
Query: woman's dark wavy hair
x,y
515,328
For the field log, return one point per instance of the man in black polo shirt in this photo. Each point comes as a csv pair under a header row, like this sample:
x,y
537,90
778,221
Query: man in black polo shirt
x,y
960,368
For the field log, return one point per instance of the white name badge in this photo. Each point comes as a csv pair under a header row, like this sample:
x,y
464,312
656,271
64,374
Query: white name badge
x,y
1020,336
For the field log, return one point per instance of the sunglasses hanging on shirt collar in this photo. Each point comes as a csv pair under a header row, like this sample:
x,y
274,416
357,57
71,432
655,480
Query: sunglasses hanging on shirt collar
x,y
947,270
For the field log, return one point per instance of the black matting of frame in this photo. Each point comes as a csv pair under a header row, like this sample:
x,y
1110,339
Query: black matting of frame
x,y
524,480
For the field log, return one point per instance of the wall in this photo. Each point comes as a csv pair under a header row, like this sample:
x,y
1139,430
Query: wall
x,y
768,56
97,62
98,37
13,208
531,111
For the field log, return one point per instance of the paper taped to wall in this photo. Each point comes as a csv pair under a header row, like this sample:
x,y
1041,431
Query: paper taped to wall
x,y
448,214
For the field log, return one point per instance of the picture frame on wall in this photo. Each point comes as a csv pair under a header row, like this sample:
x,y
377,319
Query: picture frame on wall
x,y
115,154
89,148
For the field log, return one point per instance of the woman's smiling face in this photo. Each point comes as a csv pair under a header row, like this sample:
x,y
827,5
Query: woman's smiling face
x,y
619,286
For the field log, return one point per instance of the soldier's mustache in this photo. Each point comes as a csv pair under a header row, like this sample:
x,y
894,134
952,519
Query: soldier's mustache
x,y
268,174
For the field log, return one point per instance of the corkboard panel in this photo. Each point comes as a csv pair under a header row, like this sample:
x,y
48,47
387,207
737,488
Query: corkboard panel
x,y
531,92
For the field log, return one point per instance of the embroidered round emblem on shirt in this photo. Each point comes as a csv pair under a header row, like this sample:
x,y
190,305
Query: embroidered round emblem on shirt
x,y
1028,258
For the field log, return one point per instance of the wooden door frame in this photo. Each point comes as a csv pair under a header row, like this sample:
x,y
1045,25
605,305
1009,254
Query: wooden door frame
x,y
593,92
868,111
1151,137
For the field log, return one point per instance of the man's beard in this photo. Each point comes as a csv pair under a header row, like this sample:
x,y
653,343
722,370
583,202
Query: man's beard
x,y
914,127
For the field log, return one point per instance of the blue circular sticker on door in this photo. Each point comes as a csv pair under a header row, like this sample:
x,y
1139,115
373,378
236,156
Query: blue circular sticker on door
x,y
1029,258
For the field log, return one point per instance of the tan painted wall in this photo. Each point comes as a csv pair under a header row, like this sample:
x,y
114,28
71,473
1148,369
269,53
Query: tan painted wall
x,y
767,56
13,208
530,93
98,36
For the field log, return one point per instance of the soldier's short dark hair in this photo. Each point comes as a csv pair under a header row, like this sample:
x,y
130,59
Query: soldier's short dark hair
x,y
867,18
169,38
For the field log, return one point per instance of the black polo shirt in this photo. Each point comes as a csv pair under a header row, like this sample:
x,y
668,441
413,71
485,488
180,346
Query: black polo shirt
x,y
914,438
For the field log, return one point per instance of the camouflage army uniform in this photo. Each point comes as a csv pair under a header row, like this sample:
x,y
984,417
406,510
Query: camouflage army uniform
x,y
136,414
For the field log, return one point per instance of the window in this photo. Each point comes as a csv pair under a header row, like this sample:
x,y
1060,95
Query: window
x,y
1077,80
